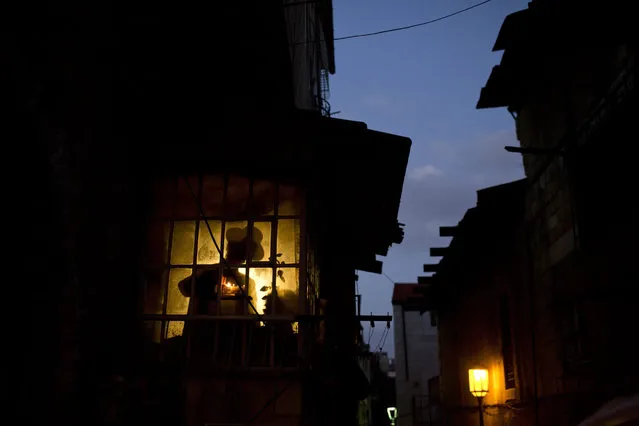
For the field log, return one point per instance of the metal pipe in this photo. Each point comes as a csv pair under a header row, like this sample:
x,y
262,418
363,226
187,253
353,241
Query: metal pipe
x,y
480,402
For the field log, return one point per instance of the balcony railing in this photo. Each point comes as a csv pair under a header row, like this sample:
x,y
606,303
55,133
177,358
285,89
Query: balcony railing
x,y
238,343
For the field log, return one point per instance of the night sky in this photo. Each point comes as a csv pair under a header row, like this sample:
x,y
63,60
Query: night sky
x,y
424,83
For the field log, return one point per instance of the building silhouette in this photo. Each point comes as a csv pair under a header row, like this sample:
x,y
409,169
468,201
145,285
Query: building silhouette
x,y
196,213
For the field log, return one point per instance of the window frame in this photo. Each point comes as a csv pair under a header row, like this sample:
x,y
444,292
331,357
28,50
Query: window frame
x,y
249,218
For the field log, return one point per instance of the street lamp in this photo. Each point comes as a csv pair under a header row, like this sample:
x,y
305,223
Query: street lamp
x,y
478,384
392,414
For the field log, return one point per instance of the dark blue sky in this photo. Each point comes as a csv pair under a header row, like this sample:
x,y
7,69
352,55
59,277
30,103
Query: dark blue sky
x,y
424,83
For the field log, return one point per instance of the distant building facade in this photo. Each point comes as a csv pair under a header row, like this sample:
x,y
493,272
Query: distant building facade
x,y
479,300
416,357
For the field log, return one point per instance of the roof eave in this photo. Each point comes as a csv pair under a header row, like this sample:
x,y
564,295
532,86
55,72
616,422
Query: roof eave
x,y
513,30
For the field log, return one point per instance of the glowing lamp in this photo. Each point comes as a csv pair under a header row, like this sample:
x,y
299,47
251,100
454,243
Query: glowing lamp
x,y
478,385
392,414
478,382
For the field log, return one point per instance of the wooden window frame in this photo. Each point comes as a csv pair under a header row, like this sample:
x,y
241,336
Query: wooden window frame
x,y
250,218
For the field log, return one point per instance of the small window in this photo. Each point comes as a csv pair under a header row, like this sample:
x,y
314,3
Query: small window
x,y
506,343
225,246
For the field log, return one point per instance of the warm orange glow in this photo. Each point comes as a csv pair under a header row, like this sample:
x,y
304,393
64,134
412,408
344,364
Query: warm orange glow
x,y
478,382
229,286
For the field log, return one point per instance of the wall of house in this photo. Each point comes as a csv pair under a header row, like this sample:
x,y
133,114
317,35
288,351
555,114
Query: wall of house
x,y
87,210
238,401
420,349
572,280
308,52
364,414
470,336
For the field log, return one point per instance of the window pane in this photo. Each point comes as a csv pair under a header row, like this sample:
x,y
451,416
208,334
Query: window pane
x,y
233,290
236,242
158,243
261,249
232,280
213,195
186,206
260,285
207,253
287,285
237,197
175,329
289,203
288,241
154,291
183,241
263,199
177,303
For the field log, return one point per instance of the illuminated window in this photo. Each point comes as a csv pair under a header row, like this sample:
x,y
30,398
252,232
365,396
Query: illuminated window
x,y
242,256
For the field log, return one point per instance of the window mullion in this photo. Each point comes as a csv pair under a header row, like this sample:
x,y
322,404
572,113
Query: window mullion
x,y
273,259
166,278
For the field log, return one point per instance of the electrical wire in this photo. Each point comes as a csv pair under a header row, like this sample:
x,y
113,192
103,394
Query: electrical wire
x,y
384,341
382,338
420,24
389,278
406,27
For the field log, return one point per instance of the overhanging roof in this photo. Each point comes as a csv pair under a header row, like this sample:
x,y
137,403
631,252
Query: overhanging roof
x,y
542,34
515,28
360,175
495,93
356,174
479,233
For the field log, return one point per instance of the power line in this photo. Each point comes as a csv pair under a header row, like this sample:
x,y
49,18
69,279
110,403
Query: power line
x,y
406,27
388,278
421,24
384,341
